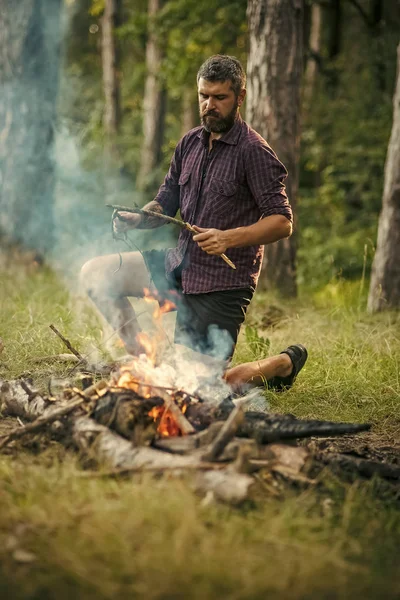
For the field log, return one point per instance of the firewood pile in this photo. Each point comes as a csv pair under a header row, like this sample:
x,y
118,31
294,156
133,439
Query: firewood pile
x,y
140,420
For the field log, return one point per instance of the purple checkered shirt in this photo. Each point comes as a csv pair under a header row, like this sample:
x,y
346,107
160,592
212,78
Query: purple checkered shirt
x,y
234,185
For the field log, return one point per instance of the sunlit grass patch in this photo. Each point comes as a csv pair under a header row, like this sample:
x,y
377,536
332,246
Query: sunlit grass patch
x,y
152,538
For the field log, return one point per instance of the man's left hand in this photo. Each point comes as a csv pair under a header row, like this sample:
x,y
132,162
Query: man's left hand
x,y
212,241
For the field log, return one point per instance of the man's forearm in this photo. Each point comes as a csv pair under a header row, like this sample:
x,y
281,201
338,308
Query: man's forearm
x,y
149,221
266,231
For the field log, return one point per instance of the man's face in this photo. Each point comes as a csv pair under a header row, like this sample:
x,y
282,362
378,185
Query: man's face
x,y
218,105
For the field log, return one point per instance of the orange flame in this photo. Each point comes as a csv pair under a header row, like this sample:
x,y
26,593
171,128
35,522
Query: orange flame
x,y
167,426
148,346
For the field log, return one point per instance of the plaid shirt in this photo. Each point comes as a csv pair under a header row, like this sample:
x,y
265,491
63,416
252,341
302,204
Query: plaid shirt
x,y
234,185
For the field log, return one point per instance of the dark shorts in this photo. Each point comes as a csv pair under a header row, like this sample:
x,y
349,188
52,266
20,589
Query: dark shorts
x,y
209,323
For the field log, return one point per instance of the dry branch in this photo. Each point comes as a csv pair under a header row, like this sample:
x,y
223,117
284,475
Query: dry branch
x,y
67,343
227,432
51,415
167,219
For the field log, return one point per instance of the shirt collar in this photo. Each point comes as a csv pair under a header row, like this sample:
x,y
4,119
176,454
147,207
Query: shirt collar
x,y
230,137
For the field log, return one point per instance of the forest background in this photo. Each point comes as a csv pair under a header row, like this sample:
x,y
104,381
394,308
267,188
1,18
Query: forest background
x,y
346,115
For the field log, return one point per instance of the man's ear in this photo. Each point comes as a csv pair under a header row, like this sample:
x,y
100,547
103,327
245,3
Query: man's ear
x,y
241,97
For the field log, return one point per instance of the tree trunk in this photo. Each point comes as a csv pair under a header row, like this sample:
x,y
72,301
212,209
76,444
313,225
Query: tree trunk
x,y
314,51
111,83
154,102
384,290
274,71
188,110
29,63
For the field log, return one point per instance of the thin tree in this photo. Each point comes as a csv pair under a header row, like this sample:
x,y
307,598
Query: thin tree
x,y
314,51
111,80
153,102
274,72
30,41
384,289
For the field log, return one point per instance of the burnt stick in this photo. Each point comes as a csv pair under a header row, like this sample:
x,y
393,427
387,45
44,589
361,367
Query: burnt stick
x,y
152,213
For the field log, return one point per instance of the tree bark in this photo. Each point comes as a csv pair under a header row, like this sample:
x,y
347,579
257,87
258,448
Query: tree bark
x,y
188,110
111,82
29,62
154,102
313,52
384,289
274,71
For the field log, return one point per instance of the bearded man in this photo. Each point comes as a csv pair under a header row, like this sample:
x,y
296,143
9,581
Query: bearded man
x,y
229,185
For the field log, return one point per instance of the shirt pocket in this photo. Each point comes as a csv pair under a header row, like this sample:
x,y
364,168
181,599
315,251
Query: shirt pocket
x,y
184,192
222,195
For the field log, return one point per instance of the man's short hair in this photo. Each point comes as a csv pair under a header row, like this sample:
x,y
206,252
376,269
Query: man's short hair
x,y
222,67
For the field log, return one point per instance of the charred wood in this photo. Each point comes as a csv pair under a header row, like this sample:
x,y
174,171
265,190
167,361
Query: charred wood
x,y
268,428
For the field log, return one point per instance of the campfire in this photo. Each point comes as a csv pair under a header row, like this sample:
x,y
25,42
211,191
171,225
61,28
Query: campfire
x,y
175,415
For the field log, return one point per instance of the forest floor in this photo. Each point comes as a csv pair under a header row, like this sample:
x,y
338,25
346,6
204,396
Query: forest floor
x,y
63,535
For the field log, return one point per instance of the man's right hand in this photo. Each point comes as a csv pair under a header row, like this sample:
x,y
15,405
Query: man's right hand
x,y
124,221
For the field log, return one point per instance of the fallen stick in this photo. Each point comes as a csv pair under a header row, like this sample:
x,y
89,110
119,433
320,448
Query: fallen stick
x,y
67,343
204,466
152,213
54,415
225,435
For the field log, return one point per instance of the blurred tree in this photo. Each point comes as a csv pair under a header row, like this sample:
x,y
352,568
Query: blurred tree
x,y
274,71
189,101
30,40
154,101
111,78
385,280
314,51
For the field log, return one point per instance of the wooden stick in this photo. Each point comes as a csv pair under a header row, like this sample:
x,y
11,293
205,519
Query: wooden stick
x,y
204,466
67,343
226,434
152,213
53,416
185,426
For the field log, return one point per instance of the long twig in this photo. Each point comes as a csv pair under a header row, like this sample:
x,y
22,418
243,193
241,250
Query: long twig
x,y
66,342
53,416
152,213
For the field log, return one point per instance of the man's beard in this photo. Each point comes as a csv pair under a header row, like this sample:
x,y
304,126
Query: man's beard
x,y
215,124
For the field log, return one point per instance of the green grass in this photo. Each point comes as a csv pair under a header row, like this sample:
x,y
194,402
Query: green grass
x,y
155,539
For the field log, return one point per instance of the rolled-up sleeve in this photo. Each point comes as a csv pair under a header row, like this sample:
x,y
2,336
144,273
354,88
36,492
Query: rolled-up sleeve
x,y
265,178
168,193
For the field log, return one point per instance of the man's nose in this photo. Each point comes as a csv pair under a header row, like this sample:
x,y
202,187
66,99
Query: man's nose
x,y
210,104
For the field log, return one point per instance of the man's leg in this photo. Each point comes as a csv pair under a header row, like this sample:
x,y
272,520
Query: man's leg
x,y
109,287
280,370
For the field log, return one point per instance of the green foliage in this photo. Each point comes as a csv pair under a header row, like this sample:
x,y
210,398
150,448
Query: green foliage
x,y
96,8
256,343
195,30
346,130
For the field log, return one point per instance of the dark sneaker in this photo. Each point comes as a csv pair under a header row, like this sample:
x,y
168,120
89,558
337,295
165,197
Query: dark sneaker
x,y
298,355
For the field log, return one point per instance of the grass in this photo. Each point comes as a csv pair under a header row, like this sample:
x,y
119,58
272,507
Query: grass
x,y
63,536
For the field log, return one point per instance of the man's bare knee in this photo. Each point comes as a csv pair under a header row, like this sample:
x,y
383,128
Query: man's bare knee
x,y
107,276
91,277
